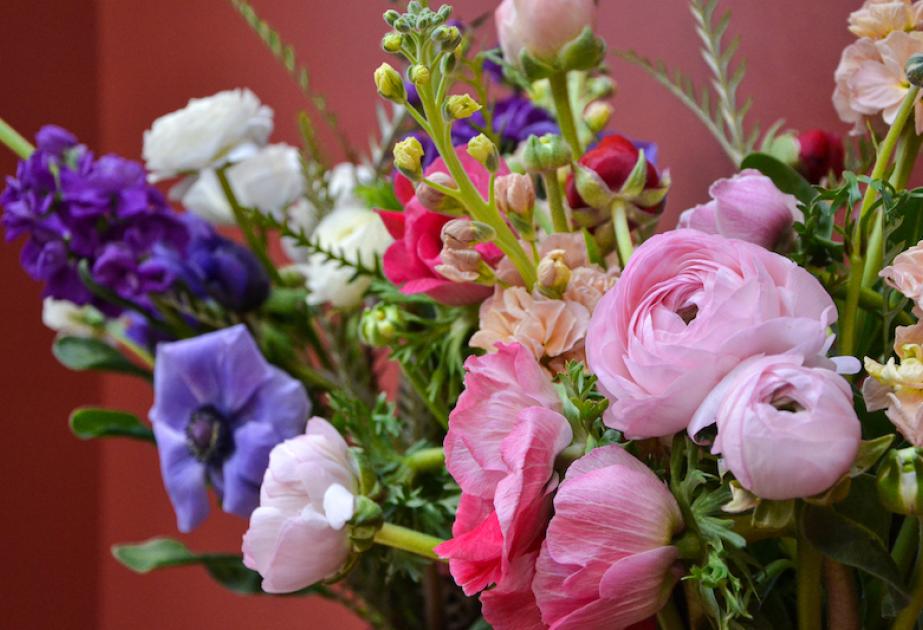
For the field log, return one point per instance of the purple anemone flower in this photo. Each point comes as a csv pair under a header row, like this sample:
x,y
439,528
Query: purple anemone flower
x,y
219,409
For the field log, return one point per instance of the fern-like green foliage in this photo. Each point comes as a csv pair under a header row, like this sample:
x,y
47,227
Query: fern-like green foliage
x,y
285,54
716,105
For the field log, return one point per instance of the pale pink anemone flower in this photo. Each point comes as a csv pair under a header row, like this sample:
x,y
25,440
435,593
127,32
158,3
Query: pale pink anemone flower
x,y
504,435
747,206
541,27
786,431
871,80
879,18
687,309
897,387
608,560
298,536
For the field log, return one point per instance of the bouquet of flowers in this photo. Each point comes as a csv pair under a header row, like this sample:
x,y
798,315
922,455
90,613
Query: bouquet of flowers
x,y
465,380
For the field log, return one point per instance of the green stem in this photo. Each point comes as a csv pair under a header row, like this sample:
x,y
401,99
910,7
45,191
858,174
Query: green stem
x,y
440,413
856,260
907,154
873,301
406,539
809,565
561,96
668,618
907,618
556,202
14,141
425,460
905,545
622,231
117,332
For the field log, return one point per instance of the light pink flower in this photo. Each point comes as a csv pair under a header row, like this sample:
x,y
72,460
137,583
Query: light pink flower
x,y
504,435
898,387
880,18
686,310
298,535
607,560
748,207
845,95
542,27
786,431
879,85
905,273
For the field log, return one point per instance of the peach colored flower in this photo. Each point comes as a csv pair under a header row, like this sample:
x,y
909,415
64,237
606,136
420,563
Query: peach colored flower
x,y
844,96
905,273
879,18
897,387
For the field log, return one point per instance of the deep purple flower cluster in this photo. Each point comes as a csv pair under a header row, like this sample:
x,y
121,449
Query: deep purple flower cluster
x,y
72,207
514,119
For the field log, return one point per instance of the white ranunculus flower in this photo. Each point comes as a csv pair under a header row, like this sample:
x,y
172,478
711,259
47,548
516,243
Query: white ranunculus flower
x,y
359,235
270,181
67,318
207,132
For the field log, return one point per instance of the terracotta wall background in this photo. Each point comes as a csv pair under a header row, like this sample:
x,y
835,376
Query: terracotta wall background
x,y
106,69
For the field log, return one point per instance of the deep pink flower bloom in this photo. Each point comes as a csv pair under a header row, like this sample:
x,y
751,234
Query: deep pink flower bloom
x,y
607,560
503,438
747,206
688,308
786,431
411,260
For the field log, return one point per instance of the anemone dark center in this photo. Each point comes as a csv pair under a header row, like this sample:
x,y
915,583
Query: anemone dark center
x,y
208,436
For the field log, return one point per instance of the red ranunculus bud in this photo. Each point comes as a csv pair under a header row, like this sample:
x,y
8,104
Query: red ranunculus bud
x,y
820,153
613,160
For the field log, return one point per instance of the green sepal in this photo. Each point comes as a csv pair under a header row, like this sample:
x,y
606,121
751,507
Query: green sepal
x,y
773,514
89,422
585,52
535,69
636,181
870,451
899,481
592,188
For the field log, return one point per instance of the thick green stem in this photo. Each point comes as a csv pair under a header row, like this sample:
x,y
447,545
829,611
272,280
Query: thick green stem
x,y
856,259
406,539
810,562
561,96
907,618
668,618
14,141
905,547
622,231
436,408
425,460
873,301
556,202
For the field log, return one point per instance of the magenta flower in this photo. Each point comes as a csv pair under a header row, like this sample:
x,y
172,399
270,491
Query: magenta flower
x,y
219,409
607,560
298,535
687,309
748,207
504,436
786,431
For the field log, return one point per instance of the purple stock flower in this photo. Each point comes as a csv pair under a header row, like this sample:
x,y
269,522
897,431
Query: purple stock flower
x,y
514,119
219,409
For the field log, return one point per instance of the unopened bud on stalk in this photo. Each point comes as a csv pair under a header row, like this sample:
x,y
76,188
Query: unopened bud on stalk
x,y
597,115
392,42
381,324
553,273
408,154
460,106
482,149
391,16
463,265
546,154
914,70
419,75
515,194
448,37
389,84
463,234
900,481
436,200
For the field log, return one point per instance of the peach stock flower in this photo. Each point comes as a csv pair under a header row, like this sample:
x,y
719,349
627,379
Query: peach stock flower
x,y
897,387
906,274
879,18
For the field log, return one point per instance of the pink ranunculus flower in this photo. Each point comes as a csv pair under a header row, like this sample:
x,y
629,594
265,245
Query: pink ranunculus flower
x,y
298,535
541,27
905,274
608,559
412,259
747,206
785,430
504,436
687,309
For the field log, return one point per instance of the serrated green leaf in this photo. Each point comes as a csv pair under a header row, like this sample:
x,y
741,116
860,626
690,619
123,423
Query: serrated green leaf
x,y
81,353
88,423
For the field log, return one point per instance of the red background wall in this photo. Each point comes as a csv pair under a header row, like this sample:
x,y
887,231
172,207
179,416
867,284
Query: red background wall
x,y
106,69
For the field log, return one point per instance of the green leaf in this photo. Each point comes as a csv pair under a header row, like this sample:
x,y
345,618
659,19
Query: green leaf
x,y
89,422
786,179
80,353
850,543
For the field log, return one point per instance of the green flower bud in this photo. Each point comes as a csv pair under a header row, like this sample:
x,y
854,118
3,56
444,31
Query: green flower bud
x,y
391,16
597,115
392,42
784,147
389,84
381,325
444,13
899,481
460,106
403,24
419,75
914,70
448,37
482,149
546,154
408,154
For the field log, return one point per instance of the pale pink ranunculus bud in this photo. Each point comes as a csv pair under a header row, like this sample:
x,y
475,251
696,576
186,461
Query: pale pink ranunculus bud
x,y
686,310
298,536
541,27
747,206
785,430
608,559
905,273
